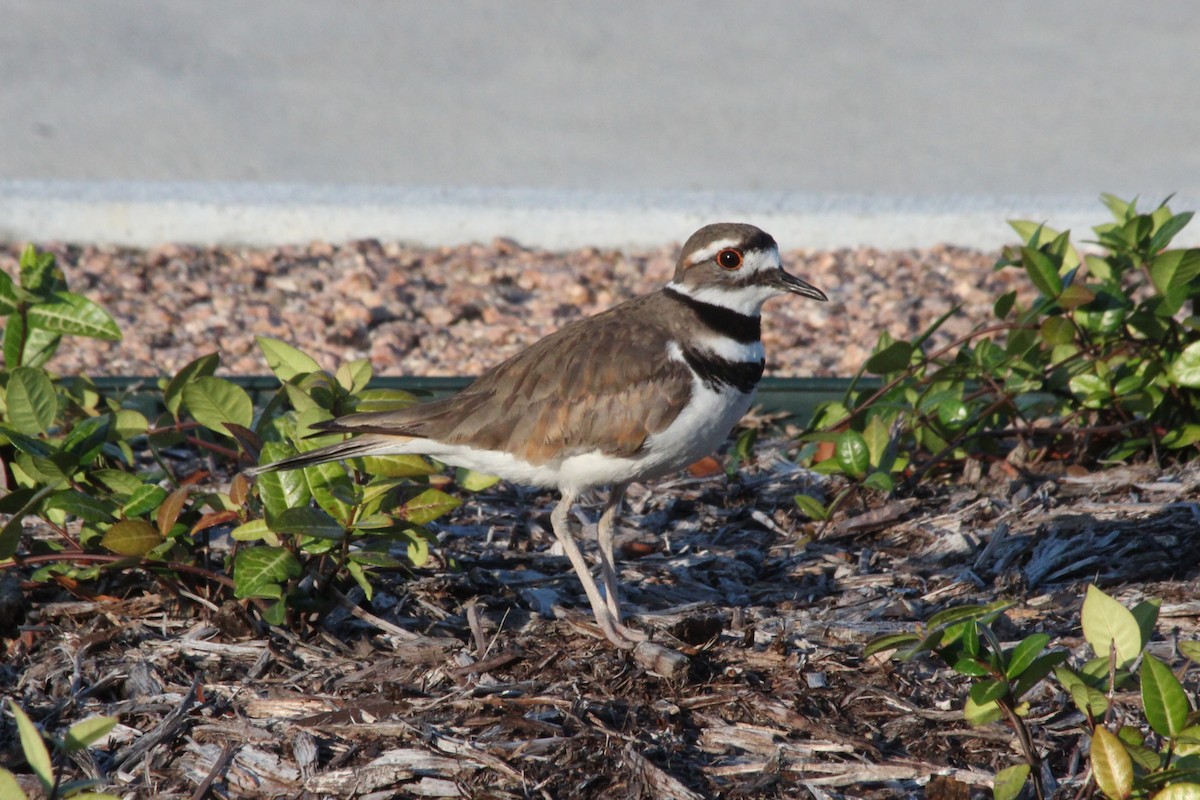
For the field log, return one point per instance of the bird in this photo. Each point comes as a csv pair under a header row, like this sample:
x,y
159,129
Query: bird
x,y
636,392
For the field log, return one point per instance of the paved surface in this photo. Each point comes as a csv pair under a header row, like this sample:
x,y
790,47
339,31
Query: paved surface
x,y
862,106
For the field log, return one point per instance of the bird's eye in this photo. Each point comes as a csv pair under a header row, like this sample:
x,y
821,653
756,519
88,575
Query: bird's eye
x,y
729,258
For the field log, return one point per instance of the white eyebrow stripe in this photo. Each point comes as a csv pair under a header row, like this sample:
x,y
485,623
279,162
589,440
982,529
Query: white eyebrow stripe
x,y
710,251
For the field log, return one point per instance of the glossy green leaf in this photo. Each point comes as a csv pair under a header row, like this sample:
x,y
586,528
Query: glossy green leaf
x,y
1185,369
402,466
984,692
428,506
1163,698
10,789
1180,791
893,358
146,498
214,401
30,400
260,571
474,481
201,367
892,641
34,747
1025,653
354,375
1009,782
9,296
282,489
1112,767
284,360
68,313
1107,623
81,505
84,733
1191,650
852,454
1004,304
1042,271
979,715
308,521
811,507
252,531
131,537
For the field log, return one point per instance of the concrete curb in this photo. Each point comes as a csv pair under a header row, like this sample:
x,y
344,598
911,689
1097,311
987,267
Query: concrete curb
x,y
146,214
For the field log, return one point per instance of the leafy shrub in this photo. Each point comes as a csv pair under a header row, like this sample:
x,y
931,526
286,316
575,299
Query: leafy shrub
x,y
1103,365
42,762
1127,759
121,492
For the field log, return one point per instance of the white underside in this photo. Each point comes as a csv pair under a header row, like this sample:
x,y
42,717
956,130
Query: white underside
x,y
698,431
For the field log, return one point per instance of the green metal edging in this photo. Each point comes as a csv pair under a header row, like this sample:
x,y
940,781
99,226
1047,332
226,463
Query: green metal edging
x,y
797,397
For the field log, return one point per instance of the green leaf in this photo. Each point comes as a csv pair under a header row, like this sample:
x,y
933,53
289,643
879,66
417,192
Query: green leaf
x,y
82,734
893,358
9,299
131,537
891,641
215,401
1004,304
252,531
259,571
985,692
1057,330
282,489
1146,615
1025,653
1179,791
19,504
354,375
473,480
1190,650
308,521
1038,670
403,466
31,402
1090,389
200,368
40,273
812,508
1009,782
384,400
428,506
1185,370
9,788
1042,271
1111,765
76,315
284,360
1168,230
1164,700
979,715
880,482
1174,275
971,667
143,500
34,747
1107,623
853,455
76,503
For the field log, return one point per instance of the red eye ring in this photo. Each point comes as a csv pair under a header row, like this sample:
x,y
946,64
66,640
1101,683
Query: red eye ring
x,y
729,258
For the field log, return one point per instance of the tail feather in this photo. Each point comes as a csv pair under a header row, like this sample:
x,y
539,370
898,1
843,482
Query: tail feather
x,y
368,445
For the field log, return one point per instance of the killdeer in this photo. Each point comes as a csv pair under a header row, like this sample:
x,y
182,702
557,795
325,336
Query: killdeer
x,y
634,393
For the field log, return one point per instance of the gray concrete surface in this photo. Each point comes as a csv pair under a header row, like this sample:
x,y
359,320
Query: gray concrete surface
x,y
881,112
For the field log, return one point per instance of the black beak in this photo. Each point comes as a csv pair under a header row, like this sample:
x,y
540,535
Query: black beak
x,y
790,283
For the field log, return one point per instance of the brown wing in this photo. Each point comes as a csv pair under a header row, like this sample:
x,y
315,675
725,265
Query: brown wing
x,y
604,383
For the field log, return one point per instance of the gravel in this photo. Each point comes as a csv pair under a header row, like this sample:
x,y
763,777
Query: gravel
x,y
457,310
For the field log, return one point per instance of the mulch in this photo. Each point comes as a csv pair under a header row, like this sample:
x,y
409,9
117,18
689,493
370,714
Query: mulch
x,y
480,674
